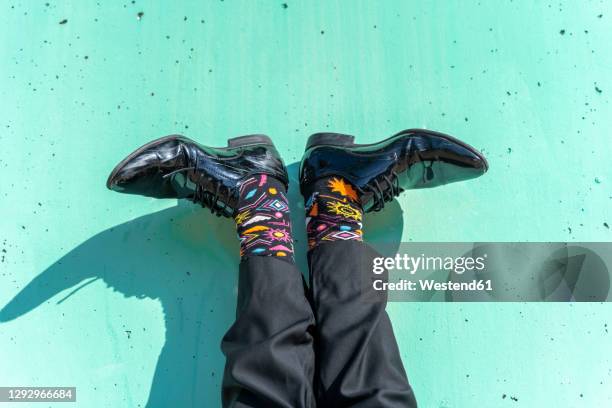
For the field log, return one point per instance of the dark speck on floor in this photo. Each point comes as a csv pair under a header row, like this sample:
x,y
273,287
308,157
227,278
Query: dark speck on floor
x,y
605,224
504,396
514,399
139,15
562,32
598,89
285,5
64,21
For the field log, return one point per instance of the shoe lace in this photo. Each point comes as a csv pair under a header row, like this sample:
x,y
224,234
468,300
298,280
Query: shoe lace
x,y
380,194
207,199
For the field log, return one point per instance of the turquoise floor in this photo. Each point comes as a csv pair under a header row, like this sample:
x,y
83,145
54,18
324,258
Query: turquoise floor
x,y
127,298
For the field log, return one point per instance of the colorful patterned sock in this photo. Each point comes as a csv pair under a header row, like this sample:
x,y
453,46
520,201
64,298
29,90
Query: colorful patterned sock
x,y
262,218
333,212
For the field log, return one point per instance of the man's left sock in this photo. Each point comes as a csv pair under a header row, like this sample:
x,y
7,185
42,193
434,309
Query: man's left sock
x,y
262,219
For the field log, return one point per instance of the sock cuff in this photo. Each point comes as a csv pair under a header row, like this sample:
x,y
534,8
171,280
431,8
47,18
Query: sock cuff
x,y
335,186
333,212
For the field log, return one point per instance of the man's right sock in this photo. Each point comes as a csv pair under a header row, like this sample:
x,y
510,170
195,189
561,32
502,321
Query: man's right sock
x,y
333,212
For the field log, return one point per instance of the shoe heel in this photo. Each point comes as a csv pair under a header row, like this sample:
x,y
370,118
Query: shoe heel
x,y
330,139
249,140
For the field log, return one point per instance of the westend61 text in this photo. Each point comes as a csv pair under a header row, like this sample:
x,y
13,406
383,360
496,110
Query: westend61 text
x,y
430,284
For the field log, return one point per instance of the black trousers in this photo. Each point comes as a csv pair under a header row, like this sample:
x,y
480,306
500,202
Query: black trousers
x,y
325,345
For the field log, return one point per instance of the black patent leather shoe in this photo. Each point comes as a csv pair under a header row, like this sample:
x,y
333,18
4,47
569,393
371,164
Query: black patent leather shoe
x,y
177,167
411,159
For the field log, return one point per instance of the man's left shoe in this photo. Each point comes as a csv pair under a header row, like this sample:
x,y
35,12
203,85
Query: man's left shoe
x,y
411,159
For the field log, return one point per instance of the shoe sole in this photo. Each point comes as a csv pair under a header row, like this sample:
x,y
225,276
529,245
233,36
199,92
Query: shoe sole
x,y
339,139
235,142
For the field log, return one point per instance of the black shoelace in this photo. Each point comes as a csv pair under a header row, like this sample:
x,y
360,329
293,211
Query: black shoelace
x,y
214,200
381,195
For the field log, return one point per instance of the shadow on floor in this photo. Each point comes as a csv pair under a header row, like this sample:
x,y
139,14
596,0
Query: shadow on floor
x,y
187,259
159,256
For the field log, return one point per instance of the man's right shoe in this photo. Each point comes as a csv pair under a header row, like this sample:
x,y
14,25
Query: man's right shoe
x,y
411,159
177,167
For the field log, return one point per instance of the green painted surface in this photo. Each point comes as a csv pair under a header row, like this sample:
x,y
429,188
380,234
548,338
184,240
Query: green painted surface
x,y
128,297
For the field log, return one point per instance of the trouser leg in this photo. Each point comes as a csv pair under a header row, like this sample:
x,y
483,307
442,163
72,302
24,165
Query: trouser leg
x,y
358,360
269,349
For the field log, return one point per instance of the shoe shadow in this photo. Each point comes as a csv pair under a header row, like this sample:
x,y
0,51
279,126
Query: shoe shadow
x,y
184,258
187,260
